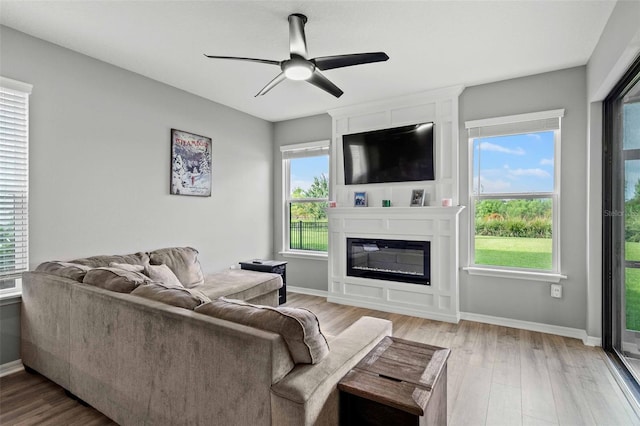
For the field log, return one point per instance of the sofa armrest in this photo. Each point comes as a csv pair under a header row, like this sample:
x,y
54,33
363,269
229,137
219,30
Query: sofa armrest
x,y
45,320
308,395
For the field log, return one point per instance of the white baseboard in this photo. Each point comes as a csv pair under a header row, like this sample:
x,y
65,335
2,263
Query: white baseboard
x,y
593,341
309,291
11,367
394,309
575,333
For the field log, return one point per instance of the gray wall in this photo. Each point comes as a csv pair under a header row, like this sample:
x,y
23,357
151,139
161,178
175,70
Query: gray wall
x,y
100,156
531,300
618,46
306,273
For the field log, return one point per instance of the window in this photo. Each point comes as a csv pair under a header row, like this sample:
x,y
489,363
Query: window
x,y
621,230
306,194
514,194
14,137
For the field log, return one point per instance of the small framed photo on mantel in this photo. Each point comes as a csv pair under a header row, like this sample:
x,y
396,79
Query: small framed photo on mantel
x,y
417,198
359,199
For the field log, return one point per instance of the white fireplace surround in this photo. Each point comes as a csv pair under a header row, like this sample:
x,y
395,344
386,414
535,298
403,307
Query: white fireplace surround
x,y
433,223
438,225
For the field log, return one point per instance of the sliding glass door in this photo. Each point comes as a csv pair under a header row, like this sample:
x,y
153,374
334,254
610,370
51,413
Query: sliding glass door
x,y
621,231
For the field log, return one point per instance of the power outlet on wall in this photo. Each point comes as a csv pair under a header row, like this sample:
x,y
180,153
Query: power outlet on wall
x,y
556,291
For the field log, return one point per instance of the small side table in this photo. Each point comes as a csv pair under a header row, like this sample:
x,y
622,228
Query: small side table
x,y
272,266
399,382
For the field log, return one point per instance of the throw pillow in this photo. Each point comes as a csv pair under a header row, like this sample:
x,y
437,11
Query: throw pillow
x,y
73,271
127,267
115,279
162,274
298,327
181,297
183,261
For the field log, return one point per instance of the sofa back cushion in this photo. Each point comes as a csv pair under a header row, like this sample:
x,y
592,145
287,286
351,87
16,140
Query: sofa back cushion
x,y
183,261
73,271
115,279
139,258
127,266
298,327
181,297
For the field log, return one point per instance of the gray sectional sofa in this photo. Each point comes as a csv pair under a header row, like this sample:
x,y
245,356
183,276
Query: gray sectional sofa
x,y
147,352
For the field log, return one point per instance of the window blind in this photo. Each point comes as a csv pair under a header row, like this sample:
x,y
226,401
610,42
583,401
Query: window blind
x,y
312,149
515,124
14,179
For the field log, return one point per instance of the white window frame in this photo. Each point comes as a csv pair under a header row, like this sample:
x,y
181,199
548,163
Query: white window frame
x,y
514,125
289,152
22,90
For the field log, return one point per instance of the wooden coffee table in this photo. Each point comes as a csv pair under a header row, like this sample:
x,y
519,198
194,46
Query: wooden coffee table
x,y
399,382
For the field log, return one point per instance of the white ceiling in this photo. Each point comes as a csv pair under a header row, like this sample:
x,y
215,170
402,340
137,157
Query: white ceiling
x,y
431,44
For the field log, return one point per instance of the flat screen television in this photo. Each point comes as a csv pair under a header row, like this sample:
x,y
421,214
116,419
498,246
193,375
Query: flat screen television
x,y
399,154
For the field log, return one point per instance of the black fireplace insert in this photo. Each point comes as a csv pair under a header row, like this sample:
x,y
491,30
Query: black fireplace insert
x,y
391,260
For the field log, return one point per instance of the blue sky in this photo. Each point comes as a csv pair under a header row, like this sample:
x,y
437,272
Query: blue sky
x,y
514,163
304,169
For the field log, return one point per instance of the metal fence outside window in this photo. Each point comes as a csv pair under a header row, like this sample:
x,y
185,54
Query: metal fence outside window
x,y
308,235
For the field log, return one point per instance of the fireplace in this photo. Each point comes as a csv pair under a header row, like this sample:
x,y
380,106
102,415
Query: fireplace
x,y
391,260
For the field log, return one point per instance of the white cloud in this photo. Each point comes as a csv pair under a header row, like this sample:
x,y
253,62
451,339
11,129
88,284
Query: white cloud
x,y
299,183
529,172
488,146
534,136
492,185
546,162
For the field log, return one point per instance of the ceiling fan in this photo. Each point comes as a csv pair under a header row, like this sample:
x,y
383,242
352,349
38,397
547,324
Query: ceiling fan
x,y
299,67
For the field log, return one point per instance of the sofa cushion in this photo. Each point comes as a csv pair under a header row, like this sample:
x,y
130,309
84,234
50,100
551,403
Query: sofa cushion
x,y
240,284
127,267
162,274
115,279
181,297
73,271
104,261
299,327
183,261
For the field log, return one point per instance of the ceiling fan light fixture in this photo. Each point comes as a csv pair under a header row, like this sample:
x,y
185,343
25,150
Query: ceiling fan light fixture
x,y
298,69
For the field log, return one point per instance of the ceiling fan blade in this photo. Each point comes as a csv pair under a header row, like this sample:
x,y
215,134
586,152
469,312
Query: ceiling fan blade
x,y
319,80
273,83
297,40
339,61
262,61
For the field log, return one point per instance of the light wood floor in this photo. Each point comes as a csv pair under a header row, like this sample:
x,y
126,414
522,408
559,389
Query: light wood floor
x,y
496,376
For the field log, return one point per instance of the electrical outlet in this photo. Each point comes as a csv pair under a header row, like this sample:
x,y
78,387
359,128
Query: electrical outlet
x,y
556,291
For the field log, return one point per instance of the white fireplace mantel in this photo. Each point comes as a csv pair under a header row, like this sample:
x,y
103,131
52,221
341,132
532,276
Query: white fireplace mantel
x,y
438,225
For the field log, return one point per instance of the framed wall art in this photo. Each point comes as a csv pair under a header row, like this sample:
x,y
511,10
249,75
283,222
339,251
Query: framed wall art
x,y
190,164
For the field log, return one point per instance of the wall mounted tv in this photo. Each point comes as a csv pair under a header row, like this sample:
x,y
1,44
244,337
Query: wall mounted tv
x,y
399,154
